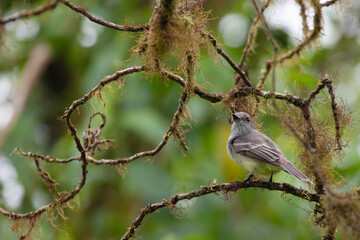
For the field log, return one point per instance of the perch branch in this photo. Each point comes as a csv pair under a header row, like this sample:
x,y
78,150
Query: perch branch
x,y
225,187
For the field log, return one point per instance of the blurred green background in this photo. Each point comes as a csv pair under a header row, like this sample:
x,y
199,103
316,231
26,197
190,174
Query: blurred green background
x,y
82,53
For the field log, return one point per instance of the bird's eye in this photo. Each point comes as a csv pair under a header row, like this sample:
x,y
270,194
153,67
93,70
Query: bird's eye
x,y
247,119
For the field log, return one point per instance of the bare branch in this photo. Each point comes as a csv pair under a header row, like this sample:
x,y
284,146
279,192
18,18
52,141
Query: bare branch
x,y
273,42
48,159
50,183
64,196
102,83
188,88
225,187
37,212
307,40
91,137
207,96
267,29
228,59
252,34
100,21
25,14
314,34
325,81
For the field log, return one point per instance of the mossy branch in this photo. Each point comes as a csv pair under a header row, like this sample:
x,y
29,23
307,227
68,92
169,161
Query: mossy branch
x,y
215,188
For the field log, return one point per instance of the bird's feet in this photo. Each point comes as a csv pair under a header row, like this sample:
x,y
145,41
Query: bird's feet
x,y
270,180
248,178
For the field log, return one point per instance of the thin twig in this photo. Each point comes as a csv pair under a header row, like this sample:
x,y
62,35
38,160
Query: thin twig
x,y
55,202
102,83
25,14
267,29
32,214
252,34
324,82
188,88
314,34
100,21
335,116
201,93
306,42
50,183
225,187
228,59
48,159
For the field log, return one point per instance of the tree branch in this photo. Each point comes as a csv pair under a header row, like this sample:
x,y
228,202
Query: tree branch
x,y
25,14
184,99
252,35
214,98
102,83
225,187
228,59
307,40
100,21
48,159
235,93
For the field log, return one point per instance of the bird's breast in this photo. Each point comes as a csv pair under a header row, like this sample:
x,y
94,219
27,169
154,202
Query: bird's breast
x,y
249,164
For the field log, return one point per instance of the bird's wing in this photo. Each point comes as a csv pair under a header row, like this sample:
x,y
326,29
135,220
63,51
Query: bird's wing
x,y
256,145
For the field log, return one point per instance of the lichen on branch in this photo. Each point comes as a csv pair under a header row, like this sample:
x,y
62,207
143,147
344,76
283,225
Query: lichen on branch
x,y
175,29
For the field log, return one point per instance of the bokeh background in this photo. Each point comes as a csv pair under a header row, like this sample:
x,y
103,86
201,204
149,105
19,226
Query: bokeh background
x,y
82,53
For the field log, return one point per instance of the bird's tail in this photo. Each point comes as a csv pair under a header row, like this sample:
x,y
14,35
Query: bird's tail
x,y
292,170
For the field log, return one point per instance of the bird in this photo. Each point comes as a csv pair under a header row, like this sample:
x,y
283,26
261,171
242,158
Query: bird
x,y
256,152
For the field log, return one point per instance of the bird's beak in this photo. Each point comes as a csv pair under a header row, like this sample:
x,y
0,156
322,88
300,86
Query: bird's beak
x,y
234,116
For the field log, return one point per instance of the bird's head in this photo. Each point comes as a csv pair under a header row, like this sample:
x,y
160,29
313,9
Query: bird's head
x,y
241,121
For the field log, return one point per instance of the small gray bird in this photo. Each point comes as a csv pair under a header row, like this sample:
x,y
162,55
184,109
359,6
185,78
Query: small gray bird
x,y
255,152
